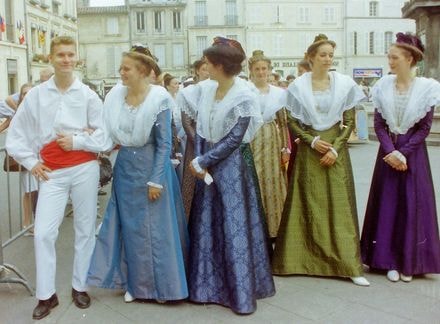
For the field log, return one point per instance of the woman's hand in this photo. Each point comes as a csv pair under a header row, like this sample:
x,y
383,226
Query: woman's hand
x,y
201,176
285,157
322,146
328,159
395,163
154,193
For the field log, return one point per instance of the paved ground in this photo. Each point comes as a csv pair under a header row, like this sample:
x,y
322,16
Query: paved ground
x,y
299,299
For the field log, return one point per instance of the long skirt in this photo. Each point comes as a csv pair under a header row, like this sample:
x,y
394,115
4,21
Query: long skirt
x,y
142,245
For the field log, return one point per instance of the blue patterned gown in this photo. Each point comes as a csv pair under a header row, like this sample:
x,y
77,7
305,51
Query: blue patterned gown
x,y
229,262
142,245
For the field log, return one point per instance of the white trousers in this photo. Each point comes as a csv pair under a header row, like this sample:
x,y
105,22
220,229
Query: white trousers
x,y
81,182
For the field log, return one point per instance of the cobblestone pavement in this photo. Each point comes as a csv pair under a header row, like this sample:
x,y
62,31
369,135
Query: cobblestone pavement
x,y
299,299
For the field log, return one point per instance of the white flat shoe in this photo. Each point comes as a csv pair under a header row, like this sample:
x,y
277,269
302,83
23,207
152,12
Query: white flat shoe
x,y
405,278
128,298
360,281
393,275
159,301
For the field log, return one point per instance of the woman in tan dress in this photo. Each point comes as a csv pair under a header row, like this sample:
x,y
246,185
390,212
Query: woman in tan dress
x,y
269,146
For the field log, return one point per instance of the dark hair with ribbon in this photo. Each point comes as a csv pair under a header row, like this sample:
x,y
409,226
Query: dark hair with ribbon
x,y
226,52
411,43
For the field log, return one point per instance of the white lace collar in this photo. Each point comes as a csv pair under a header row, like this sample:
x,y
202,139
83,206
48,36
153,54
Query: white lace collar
x,y
157,100
345,94
425,94
215,120
271,102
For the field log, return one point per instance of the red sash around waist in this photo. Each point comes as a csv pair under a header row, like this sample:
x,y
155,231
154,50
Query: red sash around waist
x,y
56,158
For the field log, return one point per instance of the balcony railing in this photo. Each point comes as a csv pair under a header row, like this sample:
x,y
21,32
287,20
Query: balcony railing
x,y
200,20
231,20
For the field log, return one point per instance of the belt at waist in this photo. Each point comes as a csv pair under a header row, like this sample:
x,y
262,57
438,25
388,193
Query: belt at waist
x,y
56,158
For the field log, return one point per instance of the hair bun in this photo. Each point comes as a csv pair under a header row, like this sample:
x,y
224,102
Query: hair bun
x,y
258,53
320,37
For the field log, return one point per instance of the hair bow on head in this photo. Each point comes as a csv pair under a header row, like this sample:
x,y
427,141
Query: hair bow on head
x,y
410,39
228,42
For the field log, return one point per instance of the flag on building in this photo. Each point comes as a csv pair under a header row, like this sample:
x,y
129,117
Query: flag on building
x,y
20,28
41,37
2,24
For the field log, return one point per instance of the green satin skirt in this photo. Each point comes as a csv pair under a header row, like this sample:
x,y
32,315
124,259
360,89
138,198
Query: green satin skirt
x,y
319,231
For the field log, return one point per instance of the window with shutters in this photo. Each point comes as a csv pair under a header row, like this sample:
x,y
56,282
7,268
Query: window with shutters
x,y
159,52
112,26
371,43
231,17
158,21
329,15
201,42
304,15
178,55
177,21
355,43
201,17
140,22
388,40
373,9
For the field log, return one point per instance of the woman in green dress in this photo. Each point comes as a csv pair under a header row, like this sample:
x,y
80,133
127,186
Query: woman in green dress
x,y
319,232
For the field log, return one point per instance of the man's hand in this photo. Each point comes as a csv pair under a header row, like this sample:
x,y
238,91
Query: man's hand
x,y
328,159
65,142
154,193
39,171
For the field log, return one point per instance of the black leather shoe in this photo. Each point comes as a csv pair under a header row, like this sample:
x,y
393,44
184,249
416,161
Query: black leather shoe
x,y
44,306
80,298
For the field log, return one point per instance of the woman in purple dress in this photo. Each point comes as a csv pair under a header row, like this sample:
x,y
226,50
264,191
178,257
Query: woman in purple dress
x,y
229,261
400,231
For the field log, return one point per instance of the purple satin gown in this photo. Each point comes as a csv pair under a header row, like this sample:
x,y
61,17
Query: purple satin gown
x,y
400,229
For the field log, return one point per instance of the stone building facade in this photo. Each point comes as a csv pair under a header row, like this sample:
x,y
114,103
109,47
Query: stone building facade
x,y
426,14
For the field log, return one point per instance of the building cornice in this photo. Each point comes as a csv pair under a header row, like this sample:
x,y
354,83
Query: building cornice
x,y
413,8
102,10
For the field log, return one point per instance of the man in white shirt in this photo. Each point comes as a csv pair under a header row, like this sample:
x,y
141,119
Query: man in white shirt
x,y
50,135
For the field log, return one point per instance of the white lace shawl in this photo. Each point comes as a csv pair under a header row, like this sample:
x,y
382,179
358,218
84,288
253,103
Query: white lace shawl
x,y
185,100
216,120
425,93
157,100
271,102
345,94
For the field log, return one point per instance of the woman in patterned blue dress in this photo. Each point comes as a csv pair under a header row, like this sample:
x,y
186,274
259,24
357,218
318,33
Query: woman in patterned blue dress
x,y
229,262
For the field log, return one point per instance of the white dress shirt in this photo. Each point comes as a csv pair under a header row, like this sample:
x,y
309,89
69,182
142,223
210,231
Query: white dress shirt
x,y
46,112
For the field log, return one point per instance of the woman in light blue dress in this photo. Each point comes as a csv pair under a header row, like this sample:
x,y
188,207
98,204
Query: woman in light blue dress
x,y
142,244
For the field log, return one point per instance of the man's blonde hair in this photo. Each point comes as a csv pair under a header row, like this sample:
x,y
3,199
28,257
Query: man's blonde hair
x,y
61,40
